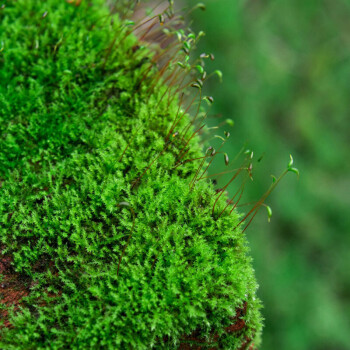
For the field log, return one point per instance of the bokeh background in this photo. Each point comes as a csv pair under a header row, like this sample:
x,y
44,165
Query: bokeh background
x,y
286,67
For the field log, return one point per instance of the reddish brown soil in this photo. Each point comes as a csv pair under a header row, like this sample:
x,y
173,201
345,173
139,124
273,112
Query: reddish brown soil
x,y
12,288
195,342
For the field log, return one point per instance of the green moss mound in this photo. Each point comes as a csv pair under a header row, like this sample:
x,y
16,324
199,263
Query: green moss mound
x,y
70,201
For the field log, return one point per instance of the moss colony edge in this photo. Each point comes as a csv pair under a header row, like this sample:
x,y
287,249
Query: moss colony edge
x,y
111,234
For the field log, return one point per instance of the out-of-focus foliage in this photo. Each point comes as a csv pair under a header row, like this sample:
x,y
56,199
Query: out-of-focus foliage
x,y
286,68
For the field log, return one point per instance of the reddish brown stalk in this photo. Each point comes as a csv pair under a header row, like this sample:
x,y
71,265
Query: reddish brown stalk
x,y
177,122
186,86
173,83
210,137
173,125
154,262
258,204
208,165
158,34
111,47
224,172
161,72
193,134
195,117
177,90
155,7
186,151
249,203
197,132
225,187
256,211
174,78
239,198
182,87
168,88
240,190
126,34
150,38
204,172
147,31
148,20
193,181
218,174
154,60
191,160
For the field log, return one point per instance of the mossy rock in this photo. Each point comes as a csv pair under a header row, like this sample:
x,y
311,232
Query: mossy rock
x,y
105,243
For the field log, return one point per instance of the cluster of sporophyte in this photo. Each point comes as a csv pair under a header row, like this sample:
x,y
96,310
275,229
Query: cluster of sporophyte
x,y
111,234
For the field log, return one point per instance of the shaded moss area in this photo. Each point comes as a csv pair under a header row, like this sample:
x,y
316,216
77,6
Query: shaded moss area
x,y
114,248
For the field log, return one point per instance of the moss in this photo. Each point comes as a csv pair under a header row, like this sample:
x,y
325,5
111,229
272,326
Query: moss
x,y
111,255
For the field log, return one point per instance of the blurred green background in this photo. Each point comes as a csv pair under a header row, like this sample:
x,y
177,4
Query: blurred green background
x,y
286,66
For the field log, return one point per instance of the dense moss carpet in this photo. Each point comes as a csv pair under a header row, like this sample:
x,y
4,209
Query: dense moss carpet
x,y
104,243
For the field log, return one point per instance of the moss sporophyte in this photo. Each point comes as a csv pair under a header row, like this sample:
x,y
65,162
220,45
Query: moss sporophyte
x,y
112,234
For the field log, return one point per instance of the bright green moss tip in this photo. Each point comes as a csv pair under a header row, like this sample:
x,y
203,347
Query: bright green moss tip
x,y
69,203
